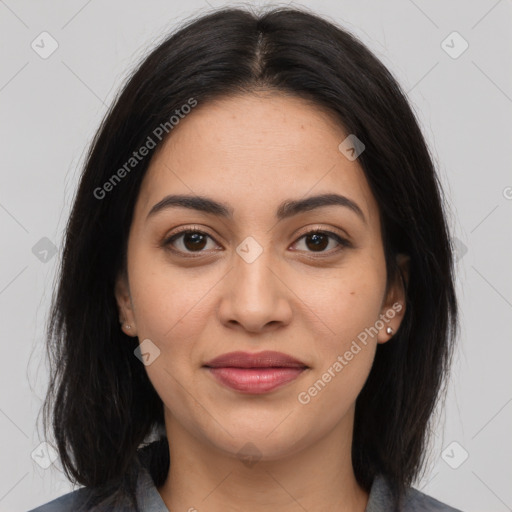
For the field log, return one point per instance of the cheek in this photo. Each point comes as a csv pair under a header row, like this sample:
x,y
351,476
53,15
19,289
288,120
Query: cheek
x,y
332,391
344,354
171,309
344,301
170,304
347,307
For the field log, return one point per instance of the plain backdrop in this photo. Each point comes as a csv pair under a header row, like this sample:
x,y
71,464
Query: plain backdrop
x,y
50,108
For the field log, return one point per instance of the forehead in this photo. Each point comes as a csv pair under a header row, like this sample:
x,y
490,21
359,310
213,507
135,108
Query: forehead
x,y
252,151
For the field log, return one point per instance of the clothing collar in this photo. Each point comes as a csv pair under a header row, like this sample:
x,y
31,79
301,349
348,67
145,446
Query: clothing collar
x,y
379,500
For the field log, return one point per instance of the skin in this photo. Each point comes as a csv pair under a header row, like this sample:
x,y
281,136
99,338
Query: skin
x,y
253,152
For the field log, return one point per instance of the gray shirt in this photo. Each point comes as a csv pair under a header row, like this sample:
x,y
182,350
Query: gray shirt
x,y
149,499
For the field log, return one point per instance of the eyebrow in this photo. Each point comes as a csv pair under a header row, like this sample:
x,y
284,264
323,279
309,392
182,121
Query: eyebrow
x,y
286,209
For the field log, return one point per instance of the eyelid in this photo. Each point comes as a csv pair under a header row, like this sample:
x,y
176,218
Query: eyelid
x,y
343,236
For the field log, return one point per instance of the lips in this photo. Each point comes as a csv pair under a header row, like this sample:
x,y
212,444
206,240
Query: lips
x,y
255,373
266,359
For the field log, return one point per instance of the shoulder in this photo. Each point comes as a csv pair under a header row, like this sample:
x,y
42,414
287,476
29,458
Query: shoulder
x,y
71,501
380,500
416,501
88,500
113,496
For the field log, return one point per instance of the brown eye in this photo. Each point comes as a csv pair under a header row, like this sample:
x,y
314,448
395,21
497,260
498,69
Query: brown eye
x,y
318,241
194,241
188,240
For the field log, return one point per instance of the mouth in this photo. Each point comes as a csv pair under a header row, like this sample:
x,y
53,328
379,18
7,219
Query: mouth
x,y
255,373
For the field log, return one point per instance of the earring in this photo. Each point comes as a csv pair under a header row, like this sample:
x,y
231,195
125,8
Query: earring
x,y
128,326
389,330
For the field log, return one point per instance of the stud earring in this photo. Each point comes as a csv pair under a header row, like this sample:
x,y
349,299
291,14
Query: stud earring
x,y
128,326
389,330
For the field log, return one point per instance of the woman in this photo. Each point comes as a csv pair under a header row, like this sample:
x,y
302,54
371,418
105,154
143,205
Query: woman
x,y
256,307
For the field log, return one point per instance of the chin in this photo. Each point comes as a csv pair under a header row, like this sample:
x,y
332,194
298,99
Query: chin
x,y
263,442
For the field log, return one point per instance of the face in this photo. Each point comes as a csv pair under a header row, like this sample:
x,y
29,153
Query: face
x,y
201,284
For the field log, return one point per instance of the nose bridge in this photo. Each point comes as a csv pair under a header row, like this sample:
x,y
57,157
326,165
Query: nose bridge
x,y
256,296
253,270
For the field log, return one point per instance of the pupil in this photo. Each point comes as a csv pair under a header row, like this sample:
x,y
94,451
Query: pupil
x,y
194,238
316,237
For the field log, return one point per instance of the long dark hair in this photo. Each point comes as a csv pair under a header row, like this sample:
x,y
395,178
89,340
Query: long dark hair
x,y
100,400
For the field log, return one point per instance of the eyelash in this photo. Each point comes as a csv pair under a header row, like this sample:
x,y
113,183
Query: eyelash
x,y
167,242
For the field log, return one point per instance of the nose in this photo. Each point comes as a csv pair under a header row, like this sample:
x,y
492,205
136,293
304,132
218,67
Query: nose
x,y
255,297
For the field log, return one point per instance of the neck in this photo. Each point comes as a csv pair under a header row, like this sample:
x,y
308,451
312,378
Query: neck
x,y
317,478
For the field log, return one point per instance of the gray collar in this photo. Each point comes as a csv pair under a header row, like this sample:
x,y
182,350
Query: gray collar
x,y
148,497
379,500
150,500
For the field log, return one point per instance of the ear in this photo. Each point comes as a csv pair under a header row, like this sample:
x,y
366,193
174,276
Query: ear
x,y
394,306
125,305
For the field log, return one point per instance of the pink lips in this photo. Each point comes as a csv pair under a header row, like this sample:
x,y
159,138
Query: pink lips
x,y
255,373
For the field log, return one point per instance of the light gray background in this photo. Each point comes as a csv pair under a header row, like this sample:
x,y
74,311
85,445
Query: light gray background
x,y
51,107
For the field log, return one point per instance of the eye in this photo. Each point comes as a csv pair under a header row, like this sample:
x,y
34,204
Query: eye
x,y
188,240
318,240
191,240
